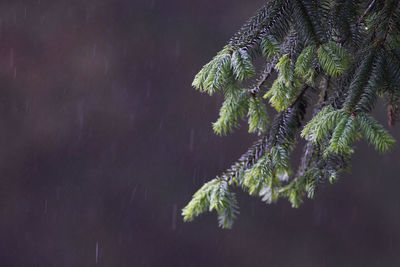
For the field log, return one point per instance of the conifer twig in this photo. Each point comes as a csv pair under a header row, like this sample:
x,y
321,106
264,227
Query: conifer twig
x,y
365,12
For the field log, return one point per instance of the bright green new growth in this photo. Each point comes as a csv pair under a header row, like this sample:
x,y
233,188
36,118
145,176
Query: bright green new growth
x,y
342,129
214,195
286,85
333,59
234,108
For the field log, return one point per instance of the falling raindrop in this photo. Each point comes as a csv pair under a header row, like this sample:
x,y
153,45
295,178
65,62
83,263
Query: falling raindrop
x,y
11,57
81,116
153,3
191,139
105,66
132,195
148,89
174,211
132,117
253,209
58,193
97,252
177,48
194,175
27,106
94,50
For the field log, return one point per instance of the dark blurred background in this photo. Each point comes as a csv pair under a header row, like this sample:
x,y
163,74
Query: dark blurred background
x,y
103,141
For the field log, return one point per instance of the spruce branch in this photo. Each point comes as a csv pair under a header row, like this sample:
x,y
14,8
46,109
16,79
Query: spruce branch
x,y
307,47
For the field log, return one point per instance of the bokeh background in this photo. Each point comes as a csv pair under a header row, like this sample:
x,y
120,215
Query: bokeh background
x,y
103,141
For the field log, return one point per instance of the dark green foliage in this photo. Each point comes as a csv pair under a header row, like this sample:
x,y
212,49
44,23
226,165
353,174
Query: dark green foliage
x,y
339,56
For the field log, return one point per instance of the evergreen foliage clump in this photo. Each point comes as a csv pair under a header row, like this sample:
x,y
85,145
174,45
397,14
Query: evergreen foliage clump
x,y
331,58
